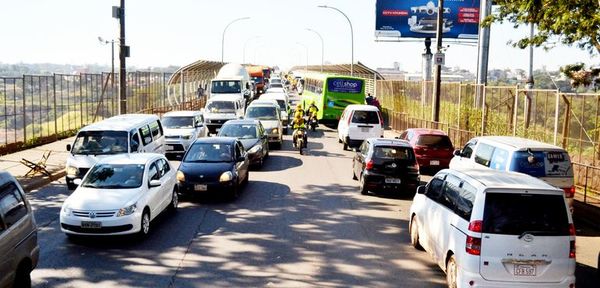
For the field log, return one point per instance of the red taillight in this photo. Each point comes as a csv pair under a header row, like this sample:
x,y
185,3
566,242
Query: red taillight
x,y
380,118
571,229
369,165
569,192
476,226
473,245
349,118
572,253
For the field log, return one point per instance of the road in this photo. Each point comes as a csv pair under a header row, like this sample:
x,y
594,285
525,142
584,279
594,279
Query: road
x,y
300,222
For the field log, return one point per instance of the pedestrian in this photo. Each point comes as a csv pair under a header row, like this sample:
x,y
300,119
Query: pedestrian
x,y
369,99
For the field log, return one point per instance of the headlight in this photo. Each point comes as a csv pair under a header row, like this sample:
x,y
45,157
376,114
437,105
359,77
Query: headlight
x,y
126,211
275,131
226,176
187,137
254,149
67,210
72,171
180,176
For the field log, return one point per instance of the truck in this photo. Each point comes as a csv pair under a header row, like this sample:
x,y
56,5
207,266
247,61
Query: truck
x,y
232,81
258,76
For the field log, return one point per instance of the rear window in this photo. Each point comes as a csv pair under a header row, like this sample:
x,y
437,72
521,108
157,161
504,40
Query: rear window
x,y
542,163
440,141
391,152
514,214
365,117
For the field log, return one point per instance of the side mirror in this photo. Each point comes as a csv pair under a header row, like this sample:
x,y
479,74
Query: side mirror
x,y
457,153
68,147
155,183
77,181
421,189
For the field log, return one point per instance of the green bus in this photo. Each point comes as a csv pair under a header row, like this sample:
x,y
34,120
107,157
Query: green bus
x,y
332,93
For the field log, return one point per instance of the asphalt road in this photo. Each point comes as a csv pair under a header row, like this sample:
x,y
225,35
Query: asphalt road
x,y
300,222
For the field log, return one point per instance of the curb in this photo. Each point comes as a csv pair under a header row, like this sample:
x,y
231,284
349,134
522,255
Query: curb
x,y
36,183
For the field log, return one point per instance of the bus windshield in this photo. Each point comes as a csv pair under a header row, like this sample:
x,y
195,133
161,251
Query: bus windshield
x,y
226,86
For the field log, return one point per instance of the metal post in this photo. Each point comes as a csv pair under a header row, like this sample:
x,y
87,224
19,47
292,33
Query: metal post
x,y
223,36
351,35
556,115
438,67
483,44
123,53
426,71
322,46
112,61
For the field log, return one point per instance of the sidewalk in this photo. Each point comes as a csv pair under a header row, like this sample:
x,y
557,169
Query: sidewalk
x,y
55,164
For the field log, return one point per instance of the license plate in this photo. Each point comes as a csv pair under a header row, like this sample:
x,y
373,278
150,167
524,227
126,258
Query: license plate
x,y
200,187
434,162
91,224
170,147
364,129
217,129
525,270
392,180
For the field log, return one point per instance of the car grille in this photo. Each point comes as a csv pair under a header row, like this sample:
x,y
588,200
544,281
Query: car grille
x,y
220,121
171,137
97,214
109,229
175,147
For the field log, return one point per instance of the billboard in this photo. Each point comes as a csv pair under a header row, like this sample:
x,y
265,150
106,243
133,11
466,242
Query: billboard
x,y
418,18
344,85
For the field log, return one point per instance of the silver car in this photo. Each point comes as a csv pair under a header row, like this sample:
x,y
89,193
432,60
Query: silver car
x,y
269,115
182,128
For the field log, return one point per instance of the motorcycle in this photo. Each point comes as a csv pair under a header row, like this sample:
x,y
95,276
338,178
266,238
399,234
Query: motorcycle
x,y
300,139
313,123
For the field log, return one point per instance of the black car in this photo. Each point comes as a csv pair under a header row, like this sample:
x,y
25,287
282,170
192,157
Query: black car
x,y
253,137
384,165
213,164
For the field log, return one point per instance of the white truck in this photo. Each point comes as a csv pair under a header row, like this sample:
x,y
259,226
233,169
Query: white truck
x,y
233,81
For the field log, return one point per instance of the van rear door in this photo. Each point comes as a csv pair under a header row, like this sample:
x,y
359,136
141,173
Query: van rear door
x,y
526,237
364,124
552,166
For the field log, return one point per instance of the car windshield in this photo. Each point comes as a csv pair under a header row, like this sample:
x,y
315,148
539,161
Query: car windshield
x,y
114,176
173,122
438,141
209,152
276,85
365,117
391,152
242,131
100,143
231,86
515,213
261,113
275,81
220,107
257,79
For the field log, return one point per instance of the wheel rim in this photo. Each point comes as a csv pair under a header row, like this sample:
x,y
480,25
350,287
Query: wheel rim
x,y
362,183
175,199
145,223
451,273
413,231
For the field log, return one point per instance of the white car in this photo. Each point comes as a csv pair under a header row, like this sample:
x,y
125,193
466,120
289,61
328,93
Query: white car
x,y
182,128
284,106
488,228
120,195
359,122
267,111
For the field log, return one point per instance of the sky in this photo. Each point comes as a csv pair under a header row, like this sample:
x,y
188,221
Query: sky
x,y
178,32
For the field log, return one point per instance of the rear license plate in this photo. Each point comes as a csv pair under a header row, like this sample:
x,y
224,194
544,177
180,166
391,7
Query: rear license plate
x,y
392,180
434,162
200,187
364,129
91,224
525,270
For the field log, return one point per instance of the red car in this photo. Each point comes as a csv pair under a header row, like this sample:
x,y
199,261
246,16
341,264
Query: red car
x,y
433,148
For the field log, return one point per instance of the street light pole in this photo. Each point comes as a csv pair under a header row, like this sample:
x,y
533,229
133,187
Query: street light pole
x,y
351,35
438,66
112,57
246,45
322,46
223,36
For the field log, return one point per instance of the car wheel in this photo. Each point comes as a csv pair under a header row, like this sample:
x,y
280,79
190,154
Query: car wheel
x,y
234,193
345,143
71,186
363,189
174,201
23,275
339,140
451,272
414,233
353,172
144,224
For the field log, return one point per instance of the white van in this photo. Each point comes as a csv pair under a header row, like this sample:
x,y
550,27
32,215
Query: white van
x,y
182,128
284,106
359,122
127,133
547,162
220,109
488,228
269,115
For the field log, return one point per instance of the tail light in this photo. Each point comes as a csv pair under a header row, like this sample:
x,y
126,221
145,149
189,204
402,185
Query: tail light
x,y
572,253
569,192
349,118
571,229
418,150
369,165
380,118
473,244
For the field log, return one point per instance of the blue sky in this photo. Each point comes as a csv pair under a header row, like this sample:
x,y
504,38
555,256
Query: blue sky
x,y
178,32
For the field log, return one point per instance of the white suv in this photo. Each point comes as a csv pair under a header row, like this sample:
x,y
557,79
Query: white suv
x,y
359,122
494,228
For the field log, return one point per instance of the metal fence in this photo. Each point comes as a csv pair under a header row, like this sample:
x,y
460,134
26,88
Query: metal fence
x,y
569,120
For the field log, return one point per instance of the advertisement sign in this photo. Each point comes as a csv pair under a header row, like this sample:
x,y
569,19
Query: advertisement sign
x,y
418,18
344,85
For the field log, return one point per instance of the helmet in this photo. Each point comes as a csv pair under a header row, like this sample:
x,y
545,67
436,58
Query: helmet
x,y
299,106
312,102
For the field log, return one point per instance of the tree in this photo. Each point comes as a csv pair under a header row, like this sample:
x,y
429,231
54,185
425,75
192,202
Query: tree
x,y
566,21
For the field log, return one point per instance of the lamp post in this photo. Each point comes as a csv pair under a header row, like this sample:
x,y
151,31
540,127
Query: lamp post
x,y
112,56
351,35
246,45
322,46
305,47
223,36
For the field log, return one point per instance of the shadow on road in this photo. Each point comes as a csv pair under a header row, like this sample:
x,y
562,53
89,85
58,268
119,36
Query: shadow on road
x,y
279,163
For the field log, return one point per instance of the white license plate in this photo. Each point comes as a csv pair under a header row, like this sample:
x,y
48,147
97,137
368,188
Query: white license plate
x,y
170,147
434,162
217,129
364,129
525,270
200,187
392,180
91,224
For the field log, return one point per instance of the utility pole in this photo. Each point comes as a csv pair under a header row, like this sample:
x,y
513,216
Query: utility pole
x,y
483,49
119,13
426,71
438,65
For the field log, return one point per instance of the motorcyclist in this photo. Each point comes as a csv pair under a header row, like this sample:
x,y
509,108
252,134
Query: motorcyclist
x,y
299,111
312,111
298,124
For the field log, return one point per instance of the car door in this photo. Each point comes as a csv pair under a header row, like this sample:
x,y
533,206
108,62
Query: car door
x,y
168,182
426,218
241,166
6,259
154,193
444,217
463,160
359,159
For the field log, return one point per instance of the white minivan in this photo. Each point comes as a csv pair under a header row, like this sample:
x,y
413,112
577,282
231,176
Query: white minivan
x,y
127,133
506,153
488,228
219,109
359,122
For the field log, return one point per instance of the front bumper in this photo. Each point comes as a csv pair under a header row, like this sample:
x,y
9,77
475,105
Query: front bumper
x,y
71,224
178,146
212,186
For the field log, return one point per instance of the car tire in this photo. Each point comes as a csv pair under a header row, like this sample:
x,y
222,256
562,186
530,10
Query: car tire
x,y
414,233
345,147
362,188
174,200
23,275
451,272
144,224
339,140
353,172
234,193
71,186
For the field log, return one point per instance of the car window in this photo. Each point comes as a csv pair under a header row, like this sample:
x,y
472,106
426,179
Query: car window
x,y
450,192
365,117
156,129
238,151
467,151
153,173
134,141
530,163
434,188
464,202
2,226
438,141
364,147
483,155
114,176
163,167
403,135
393,152
499,159
209,152
12,205
146,135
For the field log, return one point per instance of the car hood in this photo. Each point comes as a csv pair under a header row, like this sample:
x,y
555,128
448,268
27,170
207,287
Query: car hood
x,y
220,116
249,143
204,171
85,198
270,124
84,161
178,131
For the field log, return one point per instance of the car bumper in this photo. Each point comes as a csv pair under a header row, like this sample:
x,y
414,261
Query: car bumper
x,y
377,183
177,146
190,188
255,158
464,277
429,162
110,226
274,138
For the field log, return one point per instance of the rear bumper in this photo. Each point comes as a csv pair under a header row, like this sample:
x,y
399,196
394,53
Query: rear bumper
x,y
464,277
376,182
425,162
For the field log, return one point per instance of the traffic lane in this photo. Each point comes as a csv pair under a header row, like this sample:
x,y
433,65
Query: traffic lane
x,y
307,225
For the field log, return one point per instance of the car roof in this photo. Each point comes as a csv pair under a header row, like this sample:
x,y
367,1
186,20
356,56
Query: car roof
x,y
242,122
123,122
181,113
226,98
131,158
275,90
273,95
496,179
6,177
361,107
427,131
264,102
218,139
518,143
389,142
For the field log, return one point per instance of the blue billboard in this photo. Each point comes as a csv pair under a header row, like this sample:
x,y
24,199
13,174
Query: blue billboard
x,y
418,18
344,85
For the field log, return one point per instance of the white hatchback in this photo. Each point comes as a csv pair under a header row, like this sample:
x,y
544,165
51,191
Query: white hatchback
x,y
489,228
120,195
359,122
